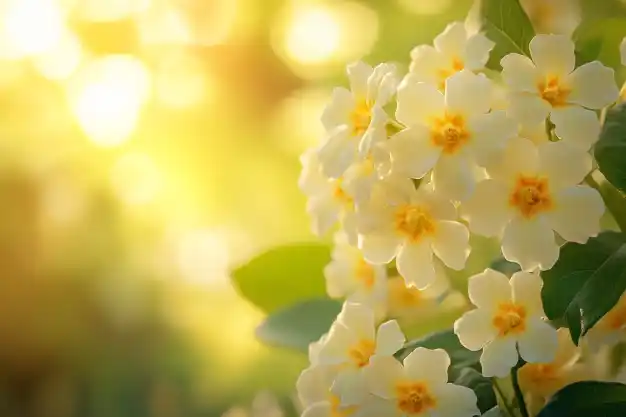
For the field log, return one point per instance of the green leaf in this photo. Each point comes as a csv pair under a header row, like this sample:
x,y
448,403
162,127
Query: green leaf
x,y
297,326
460,357
610,151
599,39
284,276
506,267
494,412
587,399
586,282
505,23
481,386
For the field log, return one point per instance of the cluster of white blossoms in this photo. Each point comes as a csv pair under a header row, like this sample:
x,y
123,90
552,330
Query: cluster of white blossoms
x,y
411,166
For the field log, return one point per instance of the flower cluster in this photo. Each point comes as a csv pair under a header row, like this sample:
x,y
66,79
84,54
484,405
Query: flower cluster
x,y
411,166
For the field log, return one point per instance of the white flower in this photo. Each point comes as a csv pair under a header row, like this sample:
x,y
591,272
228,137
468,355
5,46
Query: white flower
x,y
351,114
328,201
448,132
352,341
611,329
350,276
553,16
454,50
419,388
533,193
414,225
509,318
549,86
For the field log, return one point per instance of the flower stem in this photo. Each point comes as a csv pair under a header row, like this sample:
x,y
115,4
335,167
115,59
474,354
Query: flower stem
x,y
518,392
505,402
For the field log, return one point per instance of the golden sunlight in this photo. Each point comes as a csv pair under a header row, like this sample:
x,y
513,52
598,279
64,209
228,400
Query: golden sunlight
x,y
136,179
312,35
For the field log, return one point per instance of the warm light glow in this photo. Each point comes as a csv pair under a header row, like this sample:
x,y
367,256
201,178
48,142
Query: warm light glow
x,y
32,26
107,97
108,10
164,25
203,256
181,81
425,7
136,179
61,61
313,35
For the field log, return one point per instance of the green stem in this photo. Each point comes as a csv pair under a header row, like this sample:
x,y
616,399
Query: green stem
x,y
614,201
518,393
505,403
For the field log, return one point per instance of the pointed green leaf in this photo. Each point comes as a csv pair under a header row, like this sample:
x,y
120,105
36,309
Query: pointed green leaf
x,y
587,399
610,151
481,386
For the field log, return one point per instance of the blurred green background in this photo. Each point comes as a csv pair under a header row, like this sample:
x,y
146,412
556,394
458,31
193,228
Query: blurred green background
x,y
146,147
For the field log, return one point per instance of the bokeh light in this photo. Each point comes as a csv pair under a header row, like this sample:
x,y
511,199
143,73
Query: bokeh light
x,y
313,35
107,97
62,60
203,256
181,81
136,179
98,10
425,7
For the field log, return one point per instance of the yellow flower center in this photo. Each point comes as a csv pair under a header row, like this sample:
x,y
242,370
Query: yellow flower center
x,y
401,296
361,352
340,194
360,117
444,73
336,410
510,318
540,372
554,91
531,195
414,397
365,274
414,222
449,133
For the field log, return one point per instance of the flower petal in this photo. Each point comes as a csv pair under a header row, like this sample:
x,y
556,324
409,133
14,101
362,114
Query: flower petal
x,y
490,134
456,401
324,212
418,102
453,176
488,289
477,51
382,374
451,244
579,127
553,54
321,409
499,357
426,62
358,74
389,339
519,157
338,152
488,211
577,213
313,384
427,365
475,329
378,249
539,342
451,42
564,164
593,86
527,292
415,264
381,84
337,112
527,108
412,152
374,406
359,319
440,207
530,243
519,73
335,349
468,93
350,387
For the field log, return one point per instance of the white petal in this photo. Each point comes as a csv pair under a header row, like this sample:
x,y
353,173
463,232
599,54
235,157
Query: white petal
x,y
338,278
468,93
451,244
520,157
553,54
412,152
477,51
453,176
350,387
577,212
456,401
359,319
358,74
593,86
499,357
527,292
519,73
338,111
475,329
488,289
490,134
335,349
374,406
382,84
324,212
389,339
530,243
313,384
378,249
382,374
564,164
418,102
321,409
427,365
579,127
349,221
441,208
452,40
426,62
539,342
528,108
338,152
488,211
415,264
